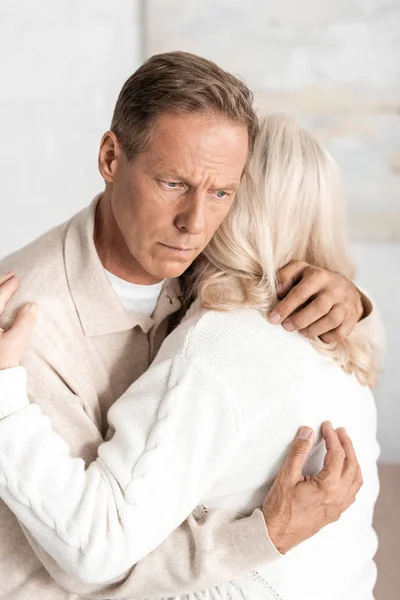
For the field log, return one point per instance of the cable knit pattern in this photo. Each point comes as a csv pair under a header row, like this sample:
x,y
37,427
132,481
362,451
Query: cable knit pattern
x,y
146,462
209,423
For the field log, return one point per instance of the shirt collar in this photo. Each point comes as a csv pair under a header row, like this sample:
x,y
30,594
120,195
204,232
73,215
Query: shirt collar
x,y
99,310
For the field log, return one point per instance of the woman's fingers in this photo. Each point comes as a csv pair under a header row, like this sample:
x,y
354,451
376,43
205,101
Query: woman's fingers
x,y
14,341
4,277
9,284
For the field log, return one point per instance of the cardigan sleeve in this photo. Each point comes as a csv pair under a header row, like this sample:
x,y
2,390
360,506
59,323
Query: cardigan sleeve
x,y
176,430
372,327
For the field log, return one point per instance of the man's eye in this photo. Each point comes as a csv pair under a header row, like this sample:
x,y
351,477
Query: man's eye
x,y
172,184
221,194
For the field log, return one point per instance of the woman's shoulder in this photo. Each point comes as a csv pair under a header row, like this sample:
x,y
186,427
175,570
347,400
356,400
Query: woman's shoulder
x,y
205,333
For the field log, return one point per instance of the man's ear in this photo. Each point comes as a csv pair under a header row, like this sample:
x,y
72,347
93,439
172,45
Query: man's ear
x,y
109,156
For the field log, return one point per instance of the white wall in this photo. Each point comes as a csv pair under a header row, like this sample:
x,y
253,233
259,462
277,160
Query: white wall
x,y
62,65
379,273
335,65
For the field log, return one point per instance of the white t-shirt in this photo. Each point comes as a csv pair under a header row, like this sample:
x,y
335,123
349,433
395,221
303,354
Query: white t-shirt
x,y
139,298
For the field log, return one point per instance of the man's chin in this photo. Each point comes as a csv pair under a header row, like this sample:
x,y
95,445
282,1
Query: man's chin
x,y
172,270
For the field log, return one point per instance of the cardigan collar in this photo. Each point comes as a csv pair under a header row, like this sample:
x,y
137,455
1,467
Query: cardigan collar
x,y
98,307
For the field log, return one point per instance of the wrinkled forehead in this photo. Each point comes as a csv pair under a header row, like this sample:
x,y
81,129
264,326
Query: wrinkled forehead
x,y
196,144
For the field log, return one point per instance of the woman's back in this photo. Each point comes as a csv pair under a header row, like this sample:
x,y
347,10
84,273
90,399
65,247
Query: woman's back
x,y
282,382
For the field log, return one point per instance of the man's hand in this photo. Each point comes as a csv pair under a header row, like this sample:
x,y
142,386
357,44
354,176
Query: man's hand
x,y
14,341
297,507
317,302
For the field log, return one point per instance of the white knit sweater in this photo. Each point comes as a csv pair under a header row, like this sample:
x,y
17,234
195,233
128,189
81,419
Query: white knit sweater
x,y
208,424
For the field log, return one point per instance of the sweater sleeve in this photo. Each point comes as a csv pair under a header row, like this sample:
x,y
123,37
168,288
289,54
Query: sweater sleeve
x,y
175,429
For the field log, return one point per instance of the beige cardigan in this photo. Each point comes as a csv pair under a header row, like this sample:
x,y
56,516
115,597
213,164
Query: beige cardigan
x,y
85,352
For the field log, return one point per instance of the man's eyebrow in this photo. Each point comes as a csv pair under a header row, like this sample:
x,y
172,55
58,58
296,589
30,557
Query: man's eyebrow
x,y
232,186
172,175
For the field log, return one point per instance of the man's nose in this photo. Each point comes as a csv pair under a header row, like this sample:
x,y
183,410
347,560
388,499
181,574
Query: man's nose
x,y
191,217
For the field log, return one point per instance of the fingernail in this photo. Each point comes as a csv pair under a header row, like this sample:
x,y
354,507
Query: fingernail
x,y
303,332
288,326
274,318
327,424
304,433
33,308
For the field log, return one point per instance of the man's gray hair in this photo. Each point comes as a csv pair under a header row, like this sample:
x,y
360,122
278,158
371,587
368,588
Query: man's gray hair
x,y
183,83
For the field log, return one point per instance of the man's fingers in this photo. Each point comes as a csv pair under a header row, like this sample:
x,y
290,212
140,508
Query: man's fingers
x,y
339,333
352,492
335,455
292,470
354,488
333,319
8,287
315,311
350,465
296,298
307,289
289,275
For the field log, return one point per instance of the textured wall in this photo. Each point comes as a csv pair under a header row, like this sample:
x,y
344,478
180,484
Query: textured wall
x,y
61,66
378,264
336,67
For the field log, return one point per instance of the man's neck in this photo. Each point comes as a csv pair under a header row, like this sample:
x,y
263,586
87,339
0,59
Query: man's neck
x,y
113,252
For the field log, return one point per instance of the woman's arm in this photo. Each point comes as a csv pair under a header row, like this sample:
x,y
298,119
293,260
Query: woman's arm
x,y
197,554
176,429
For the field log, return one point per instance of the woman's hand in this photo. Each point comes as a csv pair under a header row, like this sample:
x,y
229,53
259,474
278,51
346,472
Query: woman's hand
x,y
14,341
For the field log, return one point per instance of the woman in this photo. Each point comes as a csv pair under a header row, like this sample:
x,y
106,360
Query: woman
x,y
219,406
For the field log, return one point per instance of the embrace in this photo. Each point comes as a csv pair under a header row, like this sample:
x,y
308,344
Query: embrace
x,y
186,366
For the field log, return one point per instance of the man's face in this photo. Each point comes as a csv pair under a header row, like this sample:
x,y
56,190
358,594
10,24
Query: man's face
x,y
171,199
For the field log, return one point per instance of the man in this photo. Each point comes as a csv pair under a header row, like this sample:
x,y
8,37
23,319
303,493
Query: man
x,y
107,284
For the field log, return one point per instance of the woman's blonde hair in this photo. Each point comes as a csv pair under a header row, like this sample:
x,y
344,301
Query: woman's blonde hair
x,y
289,207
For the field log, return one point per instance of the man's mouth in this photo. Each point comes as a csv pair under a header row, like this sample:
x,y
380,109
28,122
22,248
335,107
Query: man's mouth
x,y
177,249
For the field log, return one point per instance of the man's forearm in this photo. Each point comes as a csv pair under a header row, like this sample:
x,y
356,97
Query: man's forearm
x,y
371,326
200,553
